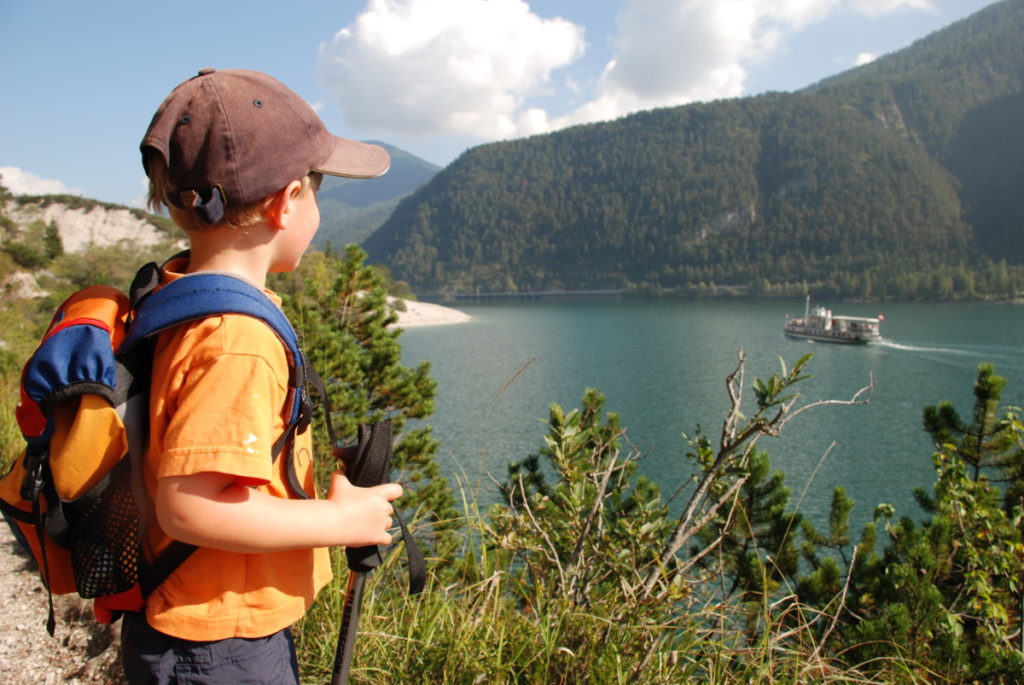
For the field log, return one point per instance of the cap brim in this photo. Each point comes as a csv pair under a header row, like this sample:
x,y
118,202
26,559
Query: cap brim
x,y
352,159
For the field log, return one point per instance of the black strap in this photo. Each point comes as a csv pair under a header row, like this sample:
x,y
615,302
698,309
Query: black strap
x,y
37,514
417,564
152,576
317,383
369,465
12,512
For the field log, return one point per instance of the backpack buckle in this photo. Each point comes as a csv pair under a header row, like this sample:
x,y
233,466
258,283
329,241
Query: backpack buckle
x,y
34,482
305,414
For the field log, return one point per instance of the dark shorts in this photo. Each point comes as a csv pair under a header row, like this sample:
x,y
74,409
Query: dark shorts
x,y
151,657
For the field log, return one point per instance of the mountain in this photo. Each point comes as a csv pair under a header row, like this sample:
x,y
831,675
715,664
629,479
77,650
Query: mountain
x,y
351,209
899,177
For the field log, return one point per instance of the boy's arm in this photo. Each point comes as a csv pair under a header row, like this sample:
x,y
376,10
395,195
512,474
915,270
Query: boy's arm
x,y
213,510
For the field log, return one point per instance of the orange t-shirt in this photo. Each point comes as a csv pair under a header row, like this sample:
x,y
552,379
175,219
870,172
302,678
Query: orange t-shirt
x,y
216,405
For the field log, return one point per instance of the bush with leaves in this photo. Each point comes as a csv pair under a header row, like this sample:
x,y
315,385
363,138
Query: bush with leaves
x,y
586,531
945,593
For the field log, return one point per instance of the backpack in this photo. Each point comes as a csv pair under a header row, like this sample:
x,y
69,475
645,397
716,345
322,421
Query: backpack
x,y
74,498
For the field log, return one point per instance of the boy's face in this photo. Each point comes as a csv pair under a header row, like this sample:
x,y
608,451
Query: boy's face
x,y
301,228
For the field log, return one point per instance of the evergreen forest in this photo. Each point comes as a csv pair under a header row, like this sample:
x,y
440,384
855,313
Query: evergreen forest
x,y
351,209
898,179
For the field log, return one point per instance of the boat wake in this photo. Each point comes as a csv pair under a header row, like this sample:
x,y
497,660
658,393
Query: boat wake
x,y
918,348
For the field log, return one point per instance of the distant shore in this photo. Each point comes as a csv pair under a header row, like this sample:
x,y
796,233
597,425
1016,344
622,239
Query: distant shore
x,y
427,314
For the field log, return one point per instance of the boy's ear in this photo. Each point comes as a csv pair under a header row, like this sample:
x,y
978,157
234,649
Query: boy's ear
x,y
279,205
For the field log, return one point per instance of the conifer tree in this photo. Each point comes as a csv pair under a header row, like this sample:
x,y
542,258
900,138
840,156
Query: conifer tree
x,y
948,591
340,307
987,444
579,519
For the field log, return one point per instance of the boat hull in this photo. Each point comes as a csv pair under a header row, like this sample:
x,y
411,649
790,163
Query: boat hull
x,y
825,336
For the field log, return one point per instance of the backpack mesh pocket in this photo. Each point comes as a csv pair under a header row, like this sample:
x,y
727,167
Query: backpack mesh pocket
x,y
106,550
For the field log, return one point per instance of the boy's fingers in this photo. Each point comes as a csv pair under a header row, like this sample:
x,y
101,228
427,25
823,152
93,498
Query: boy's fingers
x,y
391,491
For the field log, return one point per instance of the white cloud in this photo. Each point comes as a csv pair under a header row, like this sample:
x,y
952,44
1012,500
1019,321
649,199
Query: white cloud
x,y
423,67
417,68
672,52
877,8
142,201
24,183
864,58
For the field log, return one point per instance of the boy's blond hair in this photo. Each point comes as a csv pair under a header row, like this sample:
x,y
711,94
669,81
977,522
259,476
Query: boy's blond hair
x,y
187,219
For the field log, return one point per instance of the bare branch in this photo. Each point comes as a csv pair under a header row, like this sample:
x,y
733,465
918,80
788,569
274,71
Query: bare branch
x,y
842,603
553,556
733,386
857,398
684,532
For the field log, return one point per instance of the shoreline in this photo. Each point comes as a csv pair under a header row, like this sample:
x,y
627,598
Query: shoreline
x,y
418,314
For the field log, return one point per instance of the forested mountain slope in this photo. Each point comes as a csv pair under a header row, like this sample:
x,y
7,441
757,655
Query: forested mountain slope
x,y
351,209
889,180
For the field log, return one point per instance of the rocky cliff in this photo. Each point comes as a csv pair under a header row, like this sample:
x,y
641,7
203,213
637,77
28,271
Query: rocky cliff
x,y
88,224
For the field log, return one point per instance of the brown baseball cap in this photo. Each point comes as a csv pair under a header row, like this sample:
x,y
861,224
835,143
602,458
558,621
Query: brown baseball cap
x,y
234,136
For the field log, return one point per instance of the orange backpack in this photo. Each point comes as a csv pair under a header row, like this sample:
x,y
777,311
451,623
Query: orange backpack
x,y
74,497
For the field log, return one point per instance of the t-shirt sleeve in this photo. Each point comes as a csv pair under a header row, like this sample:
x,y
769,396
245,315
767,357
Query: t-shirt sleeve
x,y
222,420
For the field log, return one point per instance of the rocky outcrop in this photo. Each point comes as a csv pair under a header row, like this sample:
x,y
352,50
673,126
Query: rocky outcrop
x,y
80,227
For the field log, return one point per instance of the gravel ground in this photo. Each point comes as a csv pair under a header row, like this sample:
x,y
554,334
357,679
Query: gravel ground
x,y
82,651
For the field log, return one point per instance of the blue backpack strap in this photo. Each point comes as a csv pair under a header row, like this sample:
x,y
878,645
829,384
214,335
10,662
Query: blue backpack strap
x,y
197,296
200,295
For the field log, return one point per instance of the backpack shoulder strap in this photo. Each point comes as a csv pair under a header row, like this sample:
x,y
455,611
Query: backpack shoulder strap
x,y
197,296
194,297
200,295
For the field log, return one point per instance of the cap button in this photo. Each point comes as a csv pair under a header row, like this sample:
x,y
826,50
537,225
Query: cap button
x,y
206,70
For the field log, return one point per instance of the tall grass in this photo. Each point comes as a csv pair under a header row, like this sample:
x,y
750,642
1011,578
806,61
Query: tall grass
x,y
478,622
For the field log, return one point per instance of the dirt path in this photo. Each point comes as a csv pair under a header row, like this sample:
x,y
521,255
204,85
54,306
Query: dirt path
x,y
82,651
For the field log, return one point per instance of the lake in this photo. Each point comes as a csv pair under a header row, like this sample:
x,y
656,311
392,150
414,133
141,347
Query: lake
x,y
663,365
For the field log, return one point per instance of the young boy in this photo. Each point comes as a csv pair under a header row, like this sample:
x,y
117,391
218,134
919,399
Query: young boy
x,y
237,158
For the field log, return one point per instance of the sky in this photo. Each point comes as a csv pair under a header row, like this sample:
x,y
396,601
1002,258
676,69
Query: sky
x,y
82,78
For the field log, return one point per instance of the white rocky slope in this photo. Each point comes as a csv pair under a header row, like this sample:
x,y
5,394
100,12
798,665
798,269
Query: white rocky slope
x,y
100,225
81,227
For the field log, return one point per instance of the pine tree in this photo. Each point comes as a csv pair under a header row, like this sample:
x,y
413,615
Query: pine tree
x,y
340,307
989,444
578,518
948,591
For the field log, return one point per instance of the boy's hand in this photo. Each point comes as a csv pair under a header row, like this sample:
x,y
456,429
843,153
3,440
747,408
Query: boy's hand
x,y
365,513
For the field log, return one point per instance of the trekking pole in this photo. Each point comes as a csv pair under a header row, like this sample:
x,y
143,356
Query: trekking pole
x,y
349,619
368,463
365,466
349,624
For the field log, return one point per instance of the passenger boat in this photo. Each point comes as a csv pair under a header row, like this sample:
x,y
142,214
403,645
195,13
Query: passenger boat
x,y
822,325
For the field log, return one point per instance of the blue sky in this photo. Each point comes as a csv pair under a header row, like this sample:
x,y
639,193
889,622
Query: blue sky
x,y
82,78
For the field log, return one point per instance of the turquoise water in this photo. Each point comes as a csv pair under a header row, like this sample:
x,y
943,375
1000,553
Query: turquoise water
x,y
663,364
